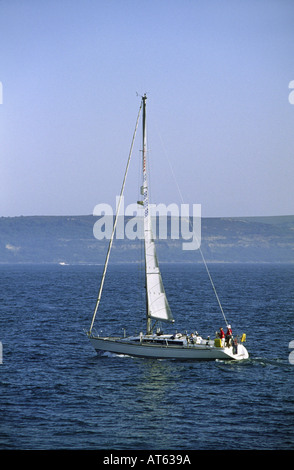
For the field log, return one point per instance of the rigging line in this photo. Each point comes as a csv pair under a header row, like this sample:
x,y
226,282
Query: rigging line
x,y
115,221
201,253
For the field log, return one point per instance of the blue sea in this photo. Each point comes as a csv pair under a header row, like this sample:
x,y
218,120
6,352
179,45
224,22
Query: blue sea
x,y
56,393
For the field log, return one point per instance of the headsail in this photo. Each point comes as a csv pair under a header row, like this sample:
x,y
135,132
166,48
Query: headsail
x,y
157,304
158,307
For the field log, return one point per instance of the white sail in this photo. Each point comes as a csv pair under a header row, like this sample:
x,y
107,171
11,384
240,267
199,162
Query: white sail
x,y
158,307
157,304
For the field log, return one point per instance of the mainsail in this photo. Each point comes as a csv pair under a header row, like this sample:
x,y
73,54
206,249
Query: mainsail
x,y
157,304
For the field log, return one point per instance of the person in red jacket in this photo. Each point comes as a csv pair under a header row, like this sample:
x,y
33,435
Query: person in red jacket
x,y
222,336
229,336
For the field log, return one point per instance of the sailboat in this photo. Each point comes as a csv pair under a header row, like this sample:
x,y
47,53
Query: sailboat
x,y
154,343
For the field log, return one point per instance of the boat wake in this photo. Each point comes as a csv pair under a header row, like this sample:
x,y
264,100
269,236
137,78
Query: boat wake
x,y
276,362
110,354
256,362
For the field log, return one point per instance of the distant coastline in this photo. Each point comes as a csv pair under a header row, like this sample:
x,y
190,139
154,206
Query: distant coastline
x,y
70,240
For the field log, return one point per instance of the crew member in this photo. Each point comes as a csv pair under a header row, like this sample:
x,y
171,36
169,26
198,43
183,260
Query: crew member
x,y
222,336
229,335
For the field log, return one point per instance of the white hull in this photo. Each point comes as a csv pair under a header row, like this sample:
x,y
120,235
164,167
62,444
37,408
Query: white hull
x,y
205,351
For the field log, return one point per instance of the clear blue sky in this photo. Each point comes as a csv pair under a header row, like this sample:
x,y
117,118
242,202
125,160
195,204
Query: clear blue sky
x,y
216,74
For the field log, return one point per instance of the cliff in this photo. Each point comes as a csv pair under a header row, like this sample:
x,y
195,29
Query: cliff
x,y
46,239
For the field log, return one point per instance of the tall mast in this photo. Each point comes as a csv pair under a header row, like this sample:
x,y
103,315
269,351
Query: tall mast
x,y
157,307
146,202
